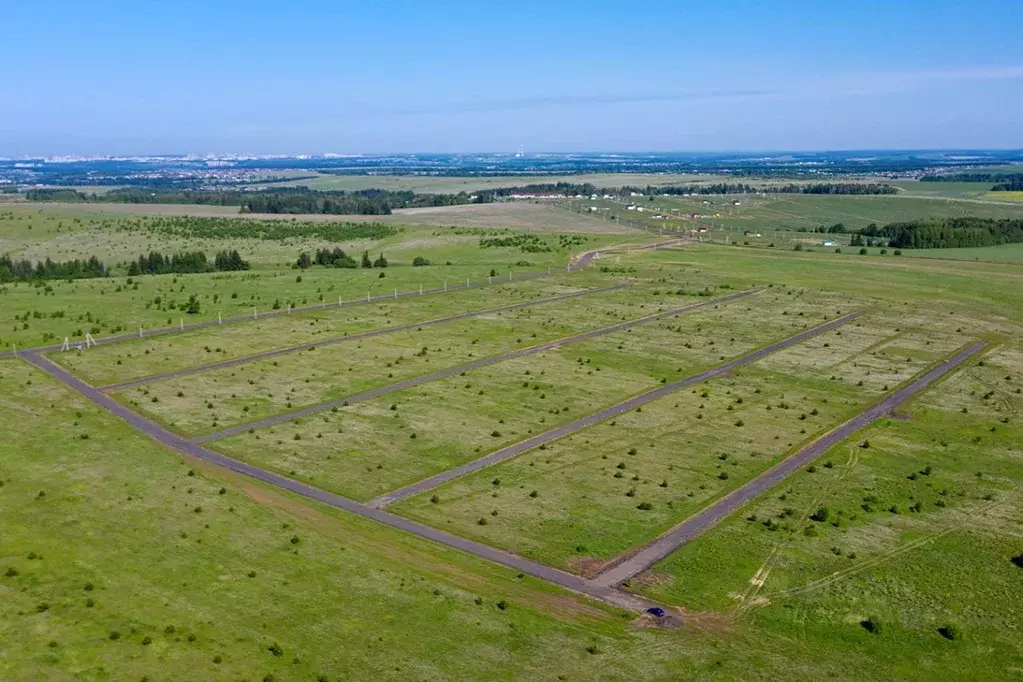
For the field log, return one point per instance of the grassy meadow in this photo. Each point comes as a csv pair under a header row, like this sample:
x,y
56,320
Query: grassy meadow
x,y
37,313
621,483
897,555
902,542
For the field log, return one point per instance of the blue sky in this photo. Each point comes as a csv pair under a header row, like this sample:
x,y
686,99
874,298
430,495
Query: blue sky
x,y
272,77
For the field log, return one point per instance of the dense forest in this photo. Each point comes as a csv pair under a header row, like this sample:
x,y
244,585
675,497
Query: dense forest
x,y
1012,183
290,200
588,189
139,196
327,258
974,177
338,259
271,230
302,200
12,270
362,202
941,233
183,263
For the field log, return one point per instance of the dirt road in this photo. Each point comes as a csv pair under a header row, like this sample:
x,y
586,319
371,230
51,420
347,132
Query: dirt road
x,y
457,369
635,562
579,424
353,337
171,440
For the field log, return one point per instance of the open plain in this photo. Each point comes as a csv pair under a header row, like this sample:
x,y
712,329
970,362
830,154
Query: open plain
x,y
492,474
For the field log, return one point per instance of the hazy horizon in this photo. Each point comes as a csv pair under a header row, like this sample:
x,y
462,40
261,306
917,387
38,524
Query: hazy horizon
x,y
410,78
588,153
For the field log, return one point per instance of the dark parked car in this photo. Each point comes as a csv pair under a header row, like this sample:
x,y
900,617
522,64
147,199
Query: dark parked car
x,y
656,611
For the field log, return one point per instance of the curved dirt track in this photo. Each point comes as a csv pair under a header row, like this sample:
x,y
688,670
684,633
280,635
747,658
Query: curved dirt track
x,y
465,367
635,562
584,422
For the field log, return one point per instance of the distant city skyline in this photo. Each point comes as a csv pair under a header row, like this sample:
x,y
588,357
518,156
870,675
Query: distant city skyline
x,y
126,79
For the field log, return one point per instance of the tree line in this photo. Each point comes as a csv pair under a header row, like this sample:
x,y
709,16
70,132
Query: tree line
x,y
588,189
1012,183
289,200
836,188
980,176
15,270
530,243
943,233
184,263
273,230
302,200
337,258
837,228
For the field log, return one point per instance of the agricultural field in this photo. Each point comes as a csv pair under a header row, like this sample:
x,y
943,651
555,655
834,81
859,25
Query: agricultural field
x,y
944,190
429,486
182,559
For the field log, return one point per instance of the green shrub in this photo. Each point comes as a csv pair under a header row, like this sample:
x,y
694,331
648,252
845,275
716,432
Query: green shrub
x,y
873,625
951,632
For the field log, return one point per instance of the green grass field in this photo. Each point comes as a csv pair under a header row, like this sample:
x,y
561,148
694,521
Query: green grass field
x,y
120,559
139,358
680,452
1008,253
248,392
38,313
915,532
